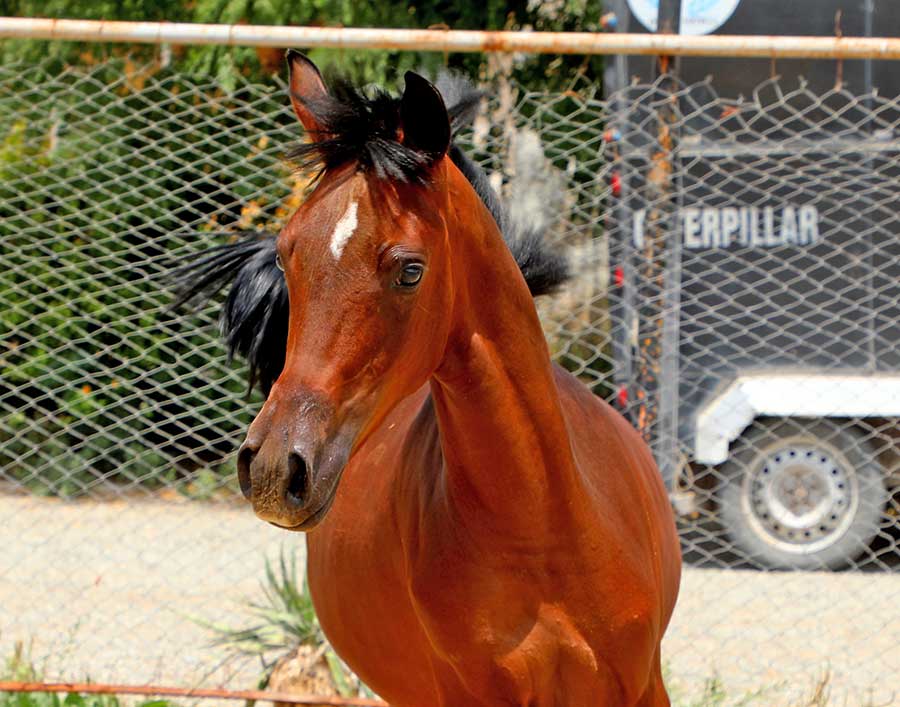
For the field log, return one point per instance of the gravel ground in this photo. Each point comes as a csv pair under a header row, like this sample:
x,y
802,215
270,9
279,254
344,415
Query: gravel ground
x,y
109,590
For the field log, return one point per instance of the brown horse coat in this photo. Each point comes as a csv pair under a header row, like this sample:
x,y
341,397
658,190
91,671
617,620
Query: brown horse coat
x,y
482,529
502,537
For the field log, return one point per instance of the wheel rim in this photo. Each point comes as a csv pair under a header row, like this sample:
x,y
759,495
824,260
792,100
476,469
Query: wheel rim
x,y
800,495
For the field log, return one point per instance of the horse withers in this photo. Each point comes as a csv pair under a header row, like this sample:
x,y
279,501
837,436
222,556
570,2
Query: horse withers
x,y
481,529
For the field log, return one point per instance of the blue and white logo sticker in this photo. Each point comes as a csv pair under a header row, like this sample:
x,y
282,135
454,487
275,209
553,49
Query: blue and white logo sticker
x,y
697,16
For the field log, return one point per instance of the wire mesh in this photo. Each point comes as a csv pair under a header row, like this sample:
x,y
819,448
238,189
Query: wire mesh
x,y
736,289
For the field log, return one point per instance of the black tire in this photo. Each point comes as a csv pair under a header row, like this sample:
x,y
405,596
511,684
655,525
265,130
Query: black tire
x,y
802,494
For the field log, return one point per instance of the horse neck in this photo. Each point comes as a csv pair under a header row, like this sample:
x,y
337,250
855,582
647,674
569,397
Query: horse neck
x,y
507,458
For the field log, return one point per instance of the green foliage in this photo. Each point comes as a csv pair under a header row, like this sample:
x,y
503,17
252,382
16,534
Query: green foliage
x,y
115,160
14,50
72,699
106,180
19,667
381,66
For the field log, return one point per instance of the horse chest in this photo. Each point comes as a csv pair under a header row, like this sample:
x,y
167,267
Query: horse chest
x,y
355,572
429,612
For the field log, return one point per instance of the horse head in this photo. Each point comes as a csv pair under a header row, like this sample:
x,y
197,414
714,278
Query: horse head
x,y
366,264
349,310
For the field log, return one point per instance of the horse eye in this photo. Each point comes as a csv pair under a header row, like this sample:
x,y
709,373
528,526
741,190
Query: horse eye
x,y
410,275
278,263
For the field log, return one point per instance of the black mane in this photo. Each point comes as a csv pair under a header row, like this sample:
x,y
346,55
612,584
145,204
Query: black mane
x,y
363,128
254,318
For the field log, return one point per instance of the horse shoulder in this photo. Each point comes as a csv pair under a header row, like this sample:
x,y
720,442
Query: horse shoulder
x,y
624,484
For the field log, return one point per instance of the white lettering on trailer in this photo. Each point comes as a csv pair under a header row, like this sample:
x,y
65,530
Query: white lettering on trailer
x,y
752,239
789,225
769,222
731,224
744,227
809,225
710,228
744,236
692,228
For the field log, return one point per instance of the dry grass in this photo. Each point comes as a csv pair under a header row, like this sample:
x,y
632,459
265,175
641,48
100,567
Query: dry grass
x,y
714,694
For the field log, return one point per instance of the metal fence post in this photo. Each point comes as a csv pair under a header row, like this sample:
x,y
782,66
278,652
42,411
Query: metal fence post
x,y
658,318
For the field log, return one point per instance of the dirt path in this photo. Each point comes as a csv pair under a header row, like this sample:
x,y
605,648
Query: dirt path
x,y
785,630
109,590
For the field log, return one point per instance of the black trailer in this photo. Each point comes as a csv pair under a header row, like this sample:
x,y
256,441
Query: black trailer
x,y
756,245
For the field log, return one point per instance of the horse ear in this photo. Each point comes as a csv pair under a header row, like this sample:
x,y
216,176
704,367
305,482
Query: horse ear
x,y
423,115
306,89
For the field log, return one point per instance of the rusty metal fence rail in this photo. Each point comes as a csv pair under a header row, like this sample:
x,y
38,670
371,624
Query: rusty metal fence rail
x,y
736,290
447,40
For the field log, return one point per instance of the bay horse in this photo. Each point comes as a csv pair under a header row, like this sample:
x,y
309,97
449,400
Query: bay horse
x,y
481,529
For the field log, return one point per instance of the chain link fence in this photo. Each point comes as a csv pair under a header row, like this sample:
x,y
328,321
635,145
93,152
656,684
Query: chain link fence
x,y
736,295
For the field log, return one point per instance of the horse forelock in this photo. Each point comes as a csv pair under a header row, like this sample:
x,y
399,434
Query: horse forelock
x,y
365,126
360,127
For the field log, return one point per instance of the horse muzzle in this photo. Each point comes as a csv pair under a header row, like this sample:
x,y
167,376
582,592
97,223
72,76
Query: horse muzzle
x,y
290,472
287,490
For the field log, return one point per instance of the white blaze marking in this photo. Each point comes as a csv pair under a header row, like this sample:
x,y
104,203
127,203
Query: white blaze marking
x,y
343,229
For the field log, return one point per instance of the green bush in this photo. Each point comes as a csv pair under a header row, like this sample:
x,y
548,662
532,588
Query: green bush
x,y
115,164
19,668
106,181
231,64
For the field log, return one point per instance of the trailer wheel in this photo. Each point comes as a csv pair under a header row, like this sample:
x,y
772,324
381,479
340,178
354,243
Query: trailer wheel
x,y
802,494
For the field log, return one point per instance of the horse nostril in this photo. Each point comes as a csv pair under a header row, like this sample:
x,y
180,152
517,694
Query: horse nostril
x,y
244,459
298,479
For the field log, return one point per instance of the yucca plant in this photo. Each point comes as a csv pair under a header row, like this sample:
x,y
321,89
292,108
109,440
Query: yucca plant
x,y
282,622
283,617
